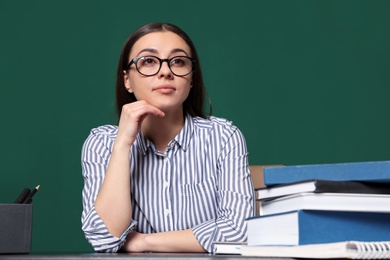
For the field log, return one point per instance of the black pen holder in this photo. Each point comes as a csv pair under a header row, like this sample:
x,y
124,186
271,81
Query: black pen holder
x,y
15,228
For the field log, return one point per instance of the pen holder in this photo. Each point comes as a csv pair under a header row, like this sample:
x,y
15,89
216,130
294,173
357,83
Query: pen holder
x,y
15,228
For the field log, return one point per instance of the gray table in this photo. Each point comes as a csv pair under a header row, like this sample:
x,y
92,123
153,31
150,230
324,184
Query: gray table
x,y
123,256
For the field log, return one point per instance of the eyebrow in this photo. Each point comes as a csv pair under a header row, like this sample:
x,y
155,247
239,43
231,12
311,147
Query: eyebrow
x,y
177,50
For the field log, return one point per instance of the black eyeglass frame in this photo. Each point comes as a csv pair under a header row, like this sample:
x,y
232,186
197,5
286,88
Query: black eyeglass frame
x,y
135,60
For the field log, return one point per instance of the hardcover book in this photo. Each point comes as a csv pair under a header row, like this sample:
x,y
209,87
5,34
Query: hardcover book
x,y
305,227
354,171
321,186
327,201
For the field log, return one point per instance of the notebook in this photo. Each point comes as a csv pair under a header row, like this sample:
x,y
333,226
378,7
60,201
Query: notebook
x,y
348,249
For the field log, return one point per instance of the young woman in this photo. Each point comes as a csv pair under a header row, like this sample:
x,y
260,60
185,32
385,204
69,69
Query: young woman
x,y
167,178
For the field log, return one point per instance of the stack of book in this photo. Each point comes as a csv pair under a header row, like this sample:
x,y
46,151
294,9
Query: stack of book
x,y
320,204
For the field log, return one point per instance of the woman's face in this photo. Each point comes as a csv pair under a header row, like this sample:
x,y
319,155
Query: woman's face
x,y
164,90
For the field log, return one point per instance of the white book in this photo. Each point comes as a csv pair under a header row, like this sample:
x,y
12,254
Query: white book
x,y
327,201
322,186
229,248
348,249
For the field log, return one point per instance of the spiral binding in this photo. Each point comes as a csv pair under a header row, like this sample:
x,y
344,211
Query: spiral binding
x,y
371,250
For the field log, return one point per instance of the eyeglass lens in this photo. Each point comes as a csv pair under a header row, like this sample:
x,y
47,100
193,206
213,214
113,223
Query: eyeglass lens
x,y
150,65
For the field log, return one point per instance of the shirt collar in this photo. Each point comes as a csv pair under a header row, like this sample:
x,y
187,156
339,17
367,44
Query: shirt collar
x,y
182,138
142,143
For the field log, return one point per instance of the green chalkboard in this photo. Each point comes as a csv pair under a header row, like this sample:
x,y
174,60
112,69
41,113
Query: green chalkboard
x,y
305,81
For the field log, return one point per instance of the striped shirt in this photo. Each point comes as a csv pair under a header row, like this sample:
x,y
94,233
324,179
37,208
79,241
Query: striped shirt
x,y
201,182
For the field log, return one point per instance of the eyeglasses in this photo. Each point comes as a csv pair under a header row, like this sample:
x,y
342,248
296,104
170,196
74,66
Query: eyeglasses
x,y
151,65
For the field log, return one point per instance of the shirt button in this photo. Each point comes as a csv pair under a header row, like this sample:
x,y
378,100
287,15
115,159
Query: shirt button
x,y
167,212
166,184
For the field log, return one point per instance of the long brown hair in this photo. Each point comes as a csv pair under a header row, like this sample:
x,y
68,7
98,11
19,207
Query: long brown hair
x,y
194,104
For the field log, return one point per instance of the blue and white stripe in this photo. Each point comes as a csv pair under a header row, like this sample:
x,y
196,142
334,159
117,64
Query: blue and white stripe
x,y
202,181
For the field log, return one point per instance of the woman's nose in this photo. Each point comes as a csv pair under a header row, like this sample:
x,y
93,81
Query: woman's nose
x,y
165,71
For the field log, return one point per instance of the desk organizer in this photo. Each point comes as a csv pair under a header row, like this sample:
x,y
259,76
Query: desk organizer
x,y
15,228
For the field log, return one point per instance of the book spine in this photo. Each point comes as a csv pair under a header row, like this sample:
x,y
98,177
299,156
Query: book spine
x,y
336,226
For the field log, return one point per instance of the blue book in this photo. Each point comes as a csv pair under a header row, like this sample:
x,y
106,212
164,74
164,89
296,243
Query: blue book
x,y
353,171
303,227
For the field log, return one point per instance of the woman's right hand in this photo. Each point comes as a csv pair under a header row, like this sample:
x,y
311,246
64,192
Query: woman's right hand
x,y
131,119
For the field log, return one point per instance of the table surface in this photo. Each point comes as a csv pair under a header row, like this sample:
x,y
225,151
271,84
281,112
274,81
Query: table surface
x,y
123,256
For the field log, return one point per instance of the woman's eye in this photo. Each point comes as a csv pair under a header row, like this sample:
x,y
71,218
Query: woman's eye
x,y
148,61
178,62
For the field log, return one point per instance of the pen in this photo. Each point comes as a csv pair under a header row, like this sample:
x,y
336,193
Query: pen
x,y
31,194
23,195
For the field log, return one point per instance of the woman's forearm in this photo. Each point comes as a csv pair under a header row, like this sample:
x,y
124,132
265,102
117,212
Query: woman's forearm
x,y
172,241
113,203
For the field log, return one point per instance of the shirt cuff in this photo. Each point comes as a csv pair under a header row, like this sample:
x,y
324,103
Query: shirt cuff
x,y
99,237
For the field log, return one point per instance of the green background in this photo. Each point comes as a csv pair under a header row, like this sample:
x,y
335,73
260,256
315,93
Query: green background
x,y
305,81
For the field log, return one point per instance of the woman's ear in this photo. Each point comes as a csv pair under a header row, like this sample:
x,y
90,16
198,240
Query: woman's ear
x,y
126,80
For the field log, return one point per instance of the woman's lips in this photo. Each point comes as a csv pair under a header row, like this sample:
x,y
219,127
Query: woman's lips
x,y
165,89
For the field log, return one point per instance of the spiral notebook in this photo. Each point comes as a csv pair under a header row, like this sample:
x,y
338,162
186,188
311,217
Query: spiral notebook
x,y
348,249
